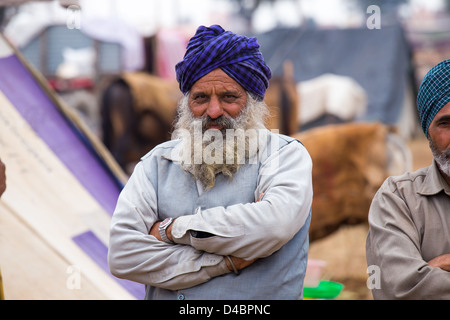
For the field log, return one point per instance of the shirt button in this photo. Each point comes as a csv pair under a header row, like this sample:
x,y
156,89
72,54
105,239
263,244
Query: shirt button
x,y
180,296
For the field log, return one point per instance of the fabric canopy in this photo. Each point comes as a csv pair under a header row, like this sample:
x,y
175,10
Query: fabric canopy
x,y
62,186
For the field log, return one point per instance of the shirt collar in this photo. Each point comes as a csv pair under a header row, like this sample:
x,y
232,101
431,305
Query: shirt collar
x,y
174,153
434,182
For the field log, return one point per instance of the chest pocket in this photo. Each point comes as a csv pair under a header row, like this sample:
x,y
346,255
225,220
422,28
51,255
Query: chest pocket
x,y
178,194
435,226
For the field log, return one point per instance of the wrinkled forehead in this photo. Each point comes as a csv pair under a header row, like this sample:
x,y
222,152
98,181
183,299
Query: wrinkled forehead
x,y
217,80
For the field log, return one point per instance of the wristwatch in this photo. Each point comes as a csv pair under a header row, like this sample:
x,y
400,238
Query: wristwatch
x,y
162,229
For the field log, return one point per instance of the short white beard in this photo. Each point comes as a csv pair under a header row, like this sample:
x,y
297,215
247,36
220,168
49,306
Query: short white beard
x,y
441,158
205,170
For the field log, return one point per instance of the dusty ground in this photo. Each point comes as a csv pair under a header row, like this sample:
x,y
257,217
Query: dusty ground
x,y
344,250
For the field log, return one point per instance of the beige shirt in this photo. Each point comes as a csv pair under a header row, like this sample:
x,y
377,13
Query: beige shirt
x,y
409,224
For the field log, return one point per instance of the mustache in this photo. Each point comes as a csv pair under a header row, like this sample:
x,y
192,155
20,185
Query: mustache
x,y
225,122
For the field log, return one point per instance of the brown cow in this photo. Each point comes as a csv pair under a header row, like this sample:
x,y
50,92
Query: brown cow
x,y
137,111
350,162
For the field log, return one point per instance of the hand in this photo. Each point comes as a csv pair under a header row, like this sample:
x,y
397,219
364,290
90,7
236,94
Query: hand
x,y
2,177
154,231
239,263
442,261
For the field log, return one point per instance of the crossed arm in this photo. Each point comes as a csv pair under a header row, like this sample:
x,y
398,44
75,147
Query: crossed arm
x,y
138,254
239,263
394,245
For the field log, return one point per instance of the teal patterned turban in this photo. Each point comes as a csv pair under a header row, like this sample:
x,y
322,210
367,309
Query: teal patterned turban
x,y
434,93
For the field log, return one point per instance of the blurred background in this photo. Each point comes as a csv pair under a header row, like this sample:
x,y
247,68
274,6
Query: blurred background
x,y
81,46
345,76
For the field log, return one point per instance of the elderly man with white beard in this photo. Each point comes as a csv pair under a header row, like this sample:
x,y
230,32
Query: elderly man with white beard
x,y
202,220
408,245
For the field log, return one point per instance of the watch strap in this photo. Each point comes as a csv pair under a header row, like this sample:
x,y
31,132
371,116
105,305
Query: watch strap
x,y
162,229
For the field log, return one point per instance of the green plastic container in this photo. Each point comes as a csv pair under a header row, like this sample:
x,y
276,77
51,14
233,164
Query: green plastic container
x,y
325,290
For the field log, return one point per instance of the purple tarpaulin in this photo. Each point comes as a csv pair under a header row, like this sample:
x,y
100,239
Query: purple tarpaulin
x,y
95,249
61,136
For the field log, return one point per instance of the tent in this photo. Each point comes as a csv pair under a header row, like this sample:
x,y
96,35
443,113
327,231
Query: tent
x,y
62,187
379,60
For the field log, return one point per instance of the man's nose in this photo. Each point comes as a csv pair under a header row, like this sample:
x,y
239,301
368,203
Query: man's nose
x,y
215,109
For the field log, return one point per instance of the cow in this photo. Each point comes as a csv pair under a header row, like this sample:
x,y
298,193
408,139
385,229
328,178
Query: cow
x,y
350,162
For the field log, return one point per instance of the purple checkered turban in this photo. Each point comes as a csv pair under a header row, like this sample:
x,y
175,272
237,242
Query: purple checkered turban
x,y
434,93
238,56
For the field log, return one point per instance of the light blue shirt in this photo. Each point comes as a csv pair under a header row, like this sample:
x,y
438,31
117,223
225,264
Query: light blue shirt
x,y
273,230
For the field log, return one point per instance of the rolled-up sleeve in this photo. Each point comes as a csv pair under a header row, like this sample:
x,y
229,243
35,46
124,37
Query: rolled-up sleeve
x,y
256,230
135,255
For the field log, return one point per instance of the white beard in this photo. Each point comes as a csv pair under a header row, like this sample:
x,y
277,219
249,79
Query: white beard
x,y
441,158
207,153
